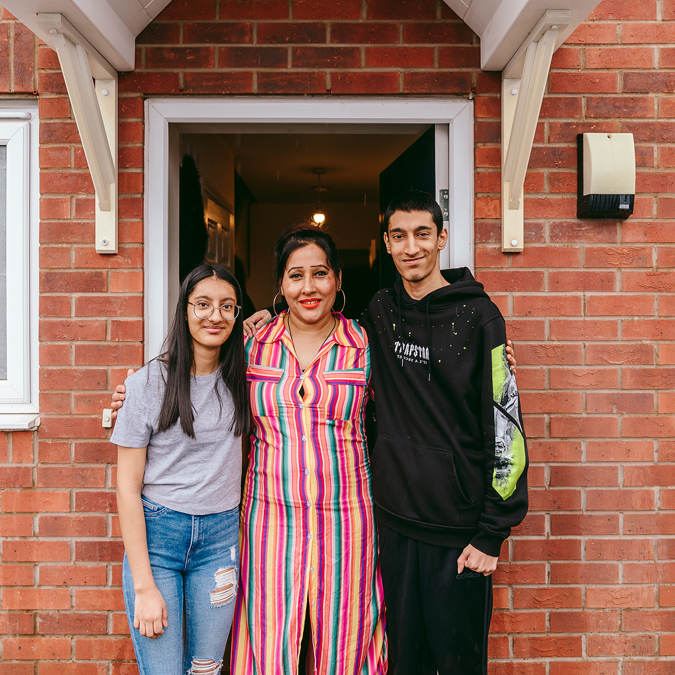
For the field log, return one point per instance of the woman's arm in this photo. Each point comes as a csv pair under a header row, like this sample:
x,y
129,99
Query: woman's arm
x,y
150,615
119,395
511,355
256,321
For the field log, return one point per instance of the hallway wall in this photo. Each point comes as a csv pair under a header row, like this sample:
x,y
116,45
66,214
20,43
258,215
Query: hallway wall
x,y
351,226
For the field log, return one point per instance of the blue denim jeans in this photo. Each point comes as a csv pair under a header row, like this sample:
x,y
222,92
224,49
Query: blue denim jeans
x,y
195,565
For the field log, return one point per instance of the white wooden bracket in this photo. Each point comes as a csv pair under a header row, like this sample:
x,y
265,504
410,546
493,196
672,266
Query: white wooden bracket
x,y
92,88
523,85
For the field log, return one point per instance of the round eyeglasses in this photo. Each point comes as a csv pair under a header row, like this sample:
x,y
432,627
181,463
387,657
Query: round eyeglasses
x,y
204,310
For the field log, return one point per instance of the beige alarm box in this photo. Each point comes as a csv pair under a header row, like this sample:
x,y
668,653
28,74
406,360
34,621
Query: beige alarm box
x,y
609,164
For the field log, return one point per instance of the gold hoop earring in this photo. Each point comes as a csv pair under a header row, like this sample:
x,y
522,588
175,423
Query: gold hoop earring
x,y
344,301
274,303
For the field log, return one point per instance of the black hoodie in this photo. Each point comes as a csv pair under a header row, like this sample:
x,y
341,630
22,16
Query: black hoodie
x,y
450,463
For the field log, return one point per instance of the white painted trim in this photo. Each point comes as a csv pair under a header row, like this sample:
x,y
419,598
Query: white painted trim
x,y
82,95
333,110
160,113
19,421
156,237
19,392
461,166
57,24
442,179
93,98
12,115
110,27
16,137
105,220
523,85
502,25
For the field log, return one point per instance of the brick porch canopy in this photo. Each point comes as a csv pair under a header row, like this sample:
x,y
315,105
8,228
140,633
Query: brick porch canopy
x,y
517,37
502,25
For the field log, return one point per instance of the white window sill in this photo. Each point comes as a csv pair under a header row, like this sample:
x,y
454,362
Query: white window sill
x,y
19,421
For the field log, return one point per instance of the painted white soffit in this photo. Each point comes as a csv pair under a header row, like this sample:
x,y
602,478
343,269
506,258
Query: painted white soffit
x,y
111,27
503,25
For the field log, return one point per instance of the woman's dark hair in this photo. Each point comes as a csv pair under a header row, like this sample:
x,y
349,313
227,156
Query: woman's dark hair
x,y
178,356
299,236
414,200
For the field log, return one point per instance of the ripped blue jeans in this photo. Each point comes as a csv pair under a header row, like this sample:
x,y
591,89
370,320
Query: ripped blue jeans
x,y
195,564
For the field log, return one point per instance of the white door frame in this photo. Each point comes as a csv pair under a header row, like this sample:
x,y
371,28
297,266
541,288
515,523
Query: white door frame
x,y
161,202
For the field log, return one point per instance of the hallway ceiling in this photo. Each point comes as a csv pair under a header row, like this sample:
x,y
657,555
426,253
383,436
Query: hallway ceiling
x,y
277,168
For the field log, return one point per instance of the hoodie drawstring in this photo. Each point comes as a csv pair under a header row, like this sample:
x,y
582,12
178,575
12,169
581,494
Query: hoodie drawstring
x,y
400,320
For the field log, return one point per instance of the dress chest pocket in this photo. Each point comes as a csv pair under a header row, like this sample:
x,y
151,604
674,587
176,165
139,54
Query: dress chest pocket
x,y
345,394
263,383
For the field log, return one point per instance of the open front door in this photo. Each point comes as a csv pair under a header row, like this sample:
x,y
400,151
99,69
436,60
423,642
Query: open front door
x,y
423,166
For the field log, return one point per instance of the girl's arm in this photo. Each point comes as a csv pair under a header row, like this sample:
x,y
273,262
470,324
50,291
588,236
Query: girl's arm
x,y
150,615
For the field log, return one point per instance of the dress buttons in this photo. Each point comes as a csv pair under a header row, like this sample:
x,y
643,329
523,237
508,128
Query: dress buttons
x,y
309,504
306,472
309,536
311,569
304,438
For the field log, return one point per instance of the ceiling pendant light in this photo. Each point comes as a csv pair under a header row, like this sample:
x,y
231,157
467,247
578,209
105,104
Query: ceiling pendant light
x,y
319,217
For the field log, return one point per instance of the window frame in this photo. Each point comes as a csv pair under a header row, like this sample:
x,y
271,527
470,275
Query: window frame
x,y
19,392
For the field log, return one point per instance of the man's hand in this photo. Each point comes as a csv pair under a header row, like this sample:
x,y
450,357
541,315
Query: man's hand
x,y
118,397
256,321
511,355
477,561
150,615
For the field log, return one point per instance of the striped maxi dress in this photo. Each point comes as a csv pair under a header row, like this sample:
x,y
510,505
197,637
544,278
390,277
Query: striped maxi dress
x,y
308,537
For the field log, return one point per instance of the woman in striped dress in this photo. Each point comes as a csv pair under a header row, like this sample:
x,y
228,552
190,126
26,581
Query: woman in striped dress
x,y
308,537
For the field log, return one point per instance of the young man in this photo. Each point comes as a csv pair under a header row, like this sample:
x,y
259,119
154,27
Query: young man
x,y
449,466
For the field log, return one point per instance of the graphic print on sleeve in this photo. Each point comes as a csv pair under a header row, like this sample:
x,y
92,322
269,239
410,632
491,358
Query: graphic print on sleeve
x,y
509,441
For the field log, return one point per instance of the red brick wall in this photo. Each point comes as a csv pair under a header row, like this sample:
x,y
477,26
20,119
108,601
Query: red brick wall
x,y
587,584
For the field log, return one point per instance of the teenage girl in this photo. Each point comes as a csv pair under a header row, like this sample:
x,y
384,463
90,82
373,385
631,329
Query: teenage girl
x,y
178,482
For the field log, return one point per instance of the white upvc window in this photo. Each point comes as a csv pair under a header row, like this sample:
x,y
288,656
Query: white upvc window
x,y
18,265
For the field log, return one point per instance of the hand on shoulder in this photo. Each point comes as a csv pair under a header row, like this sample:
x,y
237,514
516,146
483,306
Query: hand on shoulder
x,y
119,395
255,322
511,355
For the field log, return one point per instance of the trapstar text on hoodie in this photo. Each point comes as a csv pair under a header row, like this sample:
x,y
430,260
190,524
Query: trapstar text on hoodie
x,y
409,351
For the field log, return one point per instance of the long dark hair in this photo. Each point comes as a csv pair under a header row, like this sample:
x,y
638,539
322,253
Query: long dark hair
x,y
299,236
178,357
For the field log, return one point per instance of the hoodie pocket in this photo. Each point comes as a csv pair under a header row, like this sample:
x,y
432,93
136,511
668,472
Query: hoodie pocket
x,y
458,481
422,483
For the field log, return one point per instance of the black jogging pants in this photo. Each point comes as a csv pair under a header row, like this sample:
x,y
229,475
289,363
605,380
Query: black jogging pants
x,y
437,620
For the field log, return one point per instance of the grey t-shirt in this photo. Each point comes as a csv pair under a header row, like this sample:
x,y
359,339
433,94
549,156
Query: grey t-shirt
x,y
195,476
